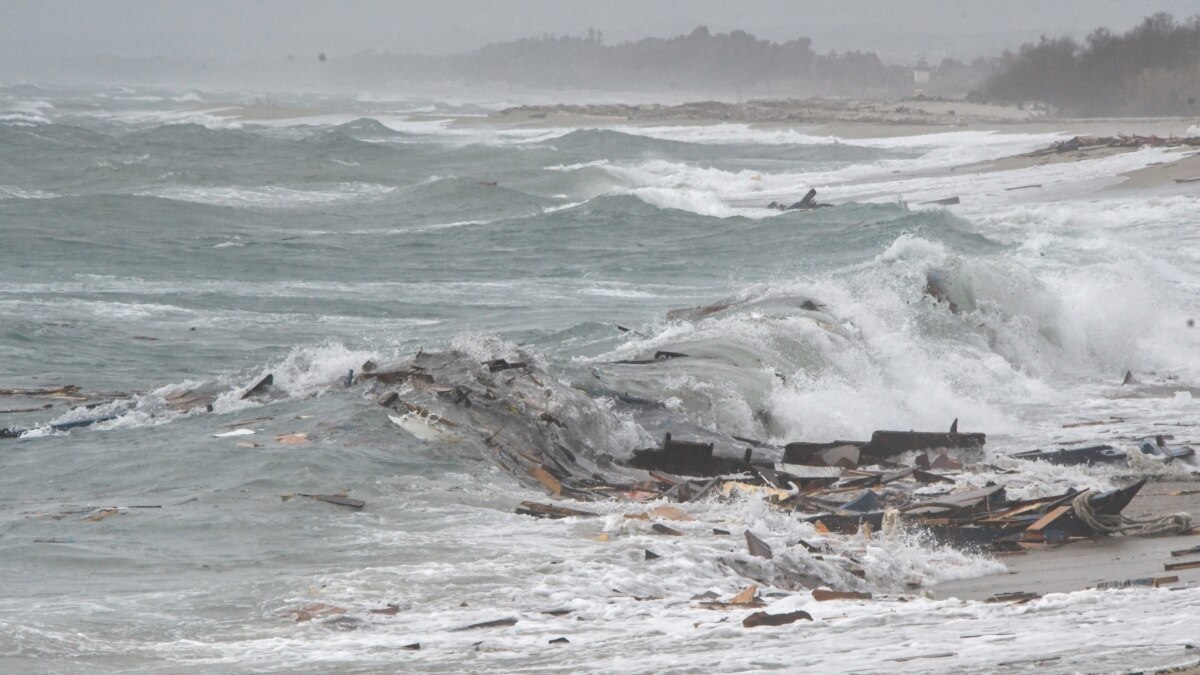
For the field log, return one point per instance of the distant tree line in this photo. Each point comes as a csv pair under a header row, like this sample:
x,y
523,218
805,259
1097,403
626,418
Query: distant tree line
x,y
1153,69
701,61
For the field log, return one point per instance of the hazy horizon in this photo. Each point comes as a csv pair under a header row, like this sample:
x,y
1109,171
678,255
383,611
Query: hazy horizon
x,y
35,32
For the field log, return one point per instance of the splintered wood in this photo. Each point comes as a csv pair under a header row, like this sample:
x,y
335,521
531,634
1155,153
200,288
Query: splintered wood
x,y
549,482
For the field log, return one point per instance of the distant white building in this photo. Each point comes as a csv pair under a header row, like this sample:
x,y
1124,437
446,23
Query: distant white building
x,y
920,76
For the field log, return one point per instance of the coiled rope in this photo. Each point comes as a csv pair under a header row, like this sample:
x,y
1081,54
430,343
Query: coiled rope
x,y
1113,524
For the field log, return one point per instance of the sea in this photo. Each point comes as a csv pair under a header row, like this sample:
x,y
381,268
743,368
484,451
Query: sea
x,y
157,241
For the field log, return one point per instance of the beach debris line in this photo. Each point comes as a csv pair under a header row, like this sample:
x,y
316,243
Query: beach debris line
x,y
1107,454
548,434
899,479
1084,143
1144,582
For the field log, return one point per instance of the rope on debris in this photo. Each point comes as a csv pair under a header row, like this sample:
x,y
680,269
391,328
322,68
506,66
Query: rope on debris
x,y
1113,524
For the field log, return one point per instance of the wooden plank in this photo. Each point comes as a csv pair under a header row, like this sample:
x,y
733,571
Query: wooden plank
x,y
1017,597
941,655
547,511
1045,520
550,482
1191,564
757,546
822,595
1152,582
745,597
1005,516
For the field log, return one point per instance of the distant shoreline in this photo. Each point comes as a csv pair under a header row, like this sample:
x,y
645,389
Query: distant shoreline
x,y
846,119
858,118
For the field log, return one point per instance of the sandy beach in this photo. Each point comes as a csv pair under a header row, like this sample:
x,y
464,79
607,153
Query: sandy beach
x,y
1084,564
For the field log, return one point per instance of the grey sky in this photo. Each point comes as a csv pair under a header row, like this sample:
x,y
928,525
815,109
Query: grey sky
x,y
234,30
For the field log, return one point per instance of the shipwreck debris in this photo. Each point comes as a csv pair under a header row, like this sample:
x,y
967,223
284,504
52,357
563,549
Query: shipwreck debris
x,y
494,623
1105,454
808,202
888,443
822,595
947,201
338,499
1145,582
315,611
764,619
912,480
757,546
260,387
687,458
552,512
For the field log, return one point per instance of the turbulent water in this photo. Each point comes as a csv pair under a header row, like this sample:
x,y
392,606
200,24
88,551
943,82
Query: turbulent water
x,y
153,242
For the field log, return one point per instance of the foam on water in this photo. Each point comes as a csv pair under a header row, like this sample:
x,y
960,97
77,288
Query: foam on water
x,y
1056,291
270,196
721,193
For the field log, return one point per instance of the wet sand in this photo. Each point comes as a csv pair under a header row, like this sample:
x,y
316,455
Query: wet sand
x,y
1184,171
1082,564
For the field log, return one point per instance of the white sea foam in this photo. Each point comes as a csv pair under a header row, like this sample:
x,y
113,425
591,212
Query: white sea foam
x,y
271,196
720,193
14,192
22,119
1081,287
614,597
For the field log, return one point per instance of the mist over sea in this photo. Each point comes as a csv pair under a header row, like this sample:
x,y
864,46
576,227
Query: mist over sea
x,y
152,241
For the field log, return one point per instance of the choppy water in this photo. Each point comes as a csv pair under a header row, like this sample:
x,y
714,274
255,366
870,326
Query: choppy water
x,y
151,243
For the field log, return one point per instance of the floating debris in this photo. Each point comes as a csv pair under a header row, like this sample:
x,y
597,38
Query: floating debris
x,y
235,432
339,500
764,619
808,202
315,611
822,595
495,623
293,439
757,546
259,387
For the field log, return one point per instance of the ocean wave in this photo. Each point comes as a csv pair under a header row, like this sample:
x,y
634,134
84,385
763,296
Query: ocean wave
x,y
270,196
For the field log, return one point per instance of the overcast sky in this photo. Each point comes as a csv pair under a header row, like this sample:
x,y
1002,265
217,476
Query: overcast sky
x,y
236,30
